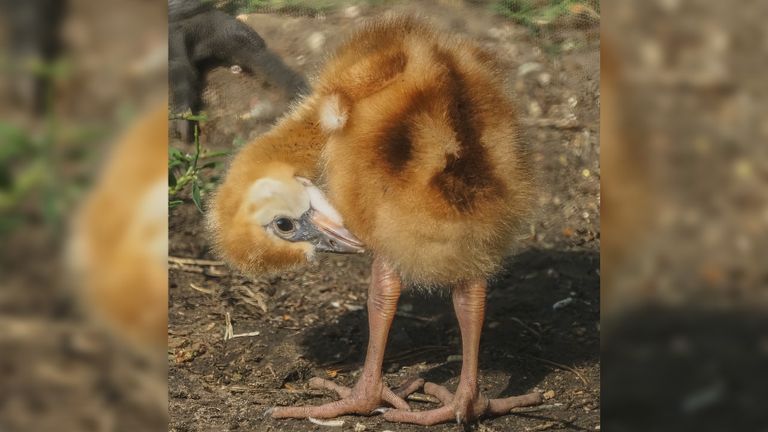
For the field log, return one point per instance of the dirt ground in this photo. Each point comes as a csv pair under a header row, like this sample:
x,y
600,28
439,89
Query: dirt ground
x,y
313,323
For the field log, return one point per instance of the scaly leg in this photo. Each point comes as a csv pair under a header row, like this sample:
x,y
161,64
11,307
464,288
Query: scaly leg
x,y
467,403
369,393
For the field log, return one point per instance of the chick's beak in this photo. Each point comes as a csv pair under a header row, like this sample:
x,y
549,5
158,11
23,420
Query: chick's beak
x,y
326,226
331,236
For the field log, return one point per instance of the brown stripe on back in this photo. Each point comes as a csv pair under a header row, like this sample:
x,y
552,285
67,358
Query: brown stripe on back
x,y
397,145
468,174
396,142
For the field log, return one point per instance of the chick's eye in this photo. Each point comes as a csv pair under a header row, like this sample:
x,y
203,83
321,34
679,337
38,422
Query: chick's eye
x,y
284,224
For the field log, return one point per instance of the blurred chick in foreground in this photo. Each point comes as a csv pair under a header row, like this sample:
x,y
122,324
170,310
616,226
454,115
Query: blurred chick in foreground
x,y
119,241
411,134
625,201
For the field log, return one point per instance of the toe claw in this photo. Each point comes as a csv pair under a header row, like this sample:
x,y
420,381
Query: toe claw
x,y
381,410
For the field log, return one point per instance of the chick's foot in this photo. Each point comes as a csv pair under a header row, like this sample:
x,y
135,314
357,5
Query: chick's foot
x,y
364,399
464,406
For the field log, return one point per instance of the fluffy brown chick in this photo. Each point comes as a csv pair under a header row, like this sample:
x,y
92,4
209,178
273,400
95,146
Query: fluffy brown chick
x,y
412,135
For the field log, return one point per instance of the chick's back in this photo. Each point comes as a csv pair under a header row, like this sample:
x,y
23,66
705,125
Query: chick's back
x,y
423,157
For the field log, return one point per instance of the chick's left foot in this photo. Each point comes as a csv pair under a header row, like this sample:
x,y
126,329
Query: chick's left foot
x,y
464,406
364,399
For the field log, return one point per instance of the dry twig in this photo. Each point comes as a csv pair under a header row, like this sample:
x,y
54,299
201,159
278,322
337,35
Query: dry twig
x,y
193,261
418,397
526,326
552,123
229,331
201,289
562,366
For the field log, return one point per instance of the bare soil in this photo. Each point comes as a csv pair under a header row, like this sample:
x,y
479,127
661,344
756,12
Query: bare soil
x,y
313,322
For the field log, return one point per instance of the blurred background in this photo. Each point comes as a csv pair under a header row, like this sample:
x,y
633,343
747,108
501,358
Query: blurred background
x,y
81,277
684,208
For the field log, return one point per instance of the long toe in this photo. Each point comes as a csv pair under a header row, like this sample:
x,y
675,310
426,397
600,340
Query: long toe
x,y
498,407
408,387
324,384
393,399
440,392
329,410
424,418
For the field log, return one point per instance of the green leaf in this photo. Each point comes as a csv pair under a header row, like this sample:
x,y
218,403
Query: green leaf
x,y
175,154
201,117
171,178
216,154
175,203
13,141
196,196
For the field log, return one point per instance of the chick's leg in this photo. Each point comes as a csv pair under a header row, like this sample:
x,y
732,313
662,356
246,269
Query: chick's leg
x,y
466,404
369,393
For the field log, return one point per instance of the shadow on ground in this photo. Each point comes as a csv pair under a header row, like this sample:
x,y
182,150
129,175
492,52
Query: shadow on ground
x,y
521,326
710,363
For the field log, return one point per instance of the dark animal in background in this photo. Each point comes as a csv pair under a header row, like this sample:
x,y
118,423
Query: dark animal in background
x,y
201,36
31,32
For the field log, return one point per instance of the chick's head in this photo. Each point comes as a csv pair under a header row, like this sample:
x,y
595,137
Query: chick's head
x,y
276,221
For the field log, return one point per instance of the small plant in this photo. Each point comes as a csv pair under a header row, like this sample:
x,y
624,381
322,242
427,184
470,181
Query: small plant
x,y
185,170
37,164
